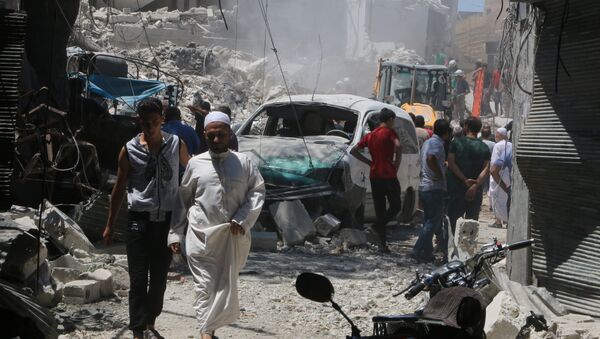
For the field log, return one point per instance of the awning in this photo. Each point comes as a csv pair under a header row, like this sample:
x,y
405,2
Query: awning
x,y
124,90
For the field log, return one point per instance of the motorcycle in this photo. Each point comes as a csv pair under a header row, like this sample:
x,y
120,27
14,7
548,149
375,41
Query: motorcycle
x,y
455,309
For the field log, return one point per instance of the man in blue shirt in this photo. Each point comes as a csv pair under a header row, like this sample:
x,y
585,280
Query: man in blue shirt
x,y
432,189
174,125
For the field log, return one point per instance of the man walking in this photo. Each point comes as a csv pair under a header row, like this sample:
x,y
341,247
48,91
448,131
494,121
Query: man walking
x,y
386,153
223,194
431,190
148,167
468,164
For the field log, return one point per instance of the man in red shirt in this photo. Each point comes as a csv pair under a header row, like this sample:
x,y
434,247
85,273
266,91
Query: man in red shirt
x,y
386,153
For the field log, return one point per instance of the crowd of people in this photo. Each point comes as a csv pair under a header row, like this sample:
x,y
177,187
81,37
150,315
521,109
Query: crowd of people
x,y
188,191
458,167
487,86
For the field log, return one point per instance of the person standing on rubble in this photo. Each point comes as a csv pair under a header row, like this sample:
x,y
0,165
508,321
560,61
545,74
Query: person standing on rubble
x,y
200,109
431,190
147,170
222,194
386,152
468,168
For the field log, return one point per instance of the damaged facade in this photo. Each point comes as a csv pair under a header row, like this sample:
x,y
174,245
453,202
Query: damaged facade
x,y
557,149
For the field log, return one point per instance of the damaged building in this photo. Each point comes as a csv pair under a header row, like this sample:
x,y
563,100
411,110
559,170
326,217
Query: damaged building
x,y
554,47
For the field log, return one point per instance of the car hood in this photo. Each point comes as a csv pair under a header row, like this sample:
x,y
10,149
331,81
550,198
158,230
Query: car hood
x,y
285,162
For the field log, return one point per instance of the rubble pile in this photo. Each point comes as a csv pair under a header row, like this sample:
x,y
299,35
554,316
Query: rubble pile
x,y
403,55
188,45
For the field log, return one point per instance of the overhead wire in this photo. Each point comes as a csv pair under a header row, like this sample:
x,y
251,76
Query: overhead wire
x,y
223,15
319,72
274,49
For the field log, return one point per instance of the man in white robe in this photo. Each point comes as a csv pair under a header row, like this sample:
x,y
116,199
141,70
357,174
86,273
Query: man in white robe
x,y
223,194
499,197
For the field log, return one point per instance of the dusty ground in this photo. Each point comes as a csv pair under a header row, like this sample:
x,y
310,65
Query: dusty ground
x,y
270,307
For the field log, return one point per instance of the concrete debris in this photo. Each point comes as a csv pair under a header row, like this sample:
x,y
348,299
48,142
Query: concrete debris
x,y
293,222
47,292
79,253
327,224
402,55
65,275
264,241
120,277
503,317
104,277
19,251
536,299
65,230
353,237
464,244
576,326
68,261
81,291
90,319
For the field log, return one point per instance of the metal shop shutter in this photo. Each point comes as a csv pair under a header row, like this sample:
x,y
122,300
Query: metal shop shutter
x,y
559,155
12,41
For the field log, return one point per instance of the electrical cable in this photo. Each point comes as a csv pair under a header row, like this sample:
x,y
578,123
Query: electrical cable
x,y
223,15
268,26
559,61
235,48
145,32
319,72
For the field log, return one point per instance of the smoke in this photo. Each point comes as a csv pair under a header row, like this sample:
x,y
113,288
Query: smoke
x,y
354,34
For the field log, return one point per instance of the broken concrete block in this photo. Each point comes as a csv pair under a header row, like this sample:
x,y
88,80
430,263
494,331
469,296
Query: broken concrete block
x,y
503,317
326,224
293,221
69,262
120,277
463,244
20,253
79,253
124,18
104,277
65,230
81,291
263,241
353,237
576,326
65,275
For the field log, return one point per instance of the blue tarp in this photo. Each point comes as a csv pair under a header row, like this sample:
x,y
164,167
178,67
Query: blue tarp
x,y
123,89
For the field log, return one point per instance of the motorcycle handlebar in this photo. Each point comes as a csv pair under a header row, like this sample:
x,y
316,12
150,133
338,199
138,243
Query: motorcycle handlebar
x,y
519,244
414,290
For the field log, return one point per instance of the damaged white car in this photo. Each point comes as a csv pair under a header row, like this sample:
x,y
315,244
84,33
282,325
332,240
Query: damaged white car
x,y
303,154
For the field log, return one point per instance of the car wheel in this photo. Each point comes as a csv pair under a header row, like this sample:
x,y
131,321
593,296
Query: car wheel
x,y
408,205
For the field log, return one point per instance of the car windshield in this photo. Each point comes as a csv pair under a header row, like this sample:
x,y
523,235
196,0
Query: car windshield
x,y
315,120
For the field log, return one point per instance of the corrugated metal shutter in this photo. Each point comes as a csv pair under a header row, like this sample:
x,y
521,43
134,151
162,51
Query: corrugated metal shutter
x,y
12,41
559,155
